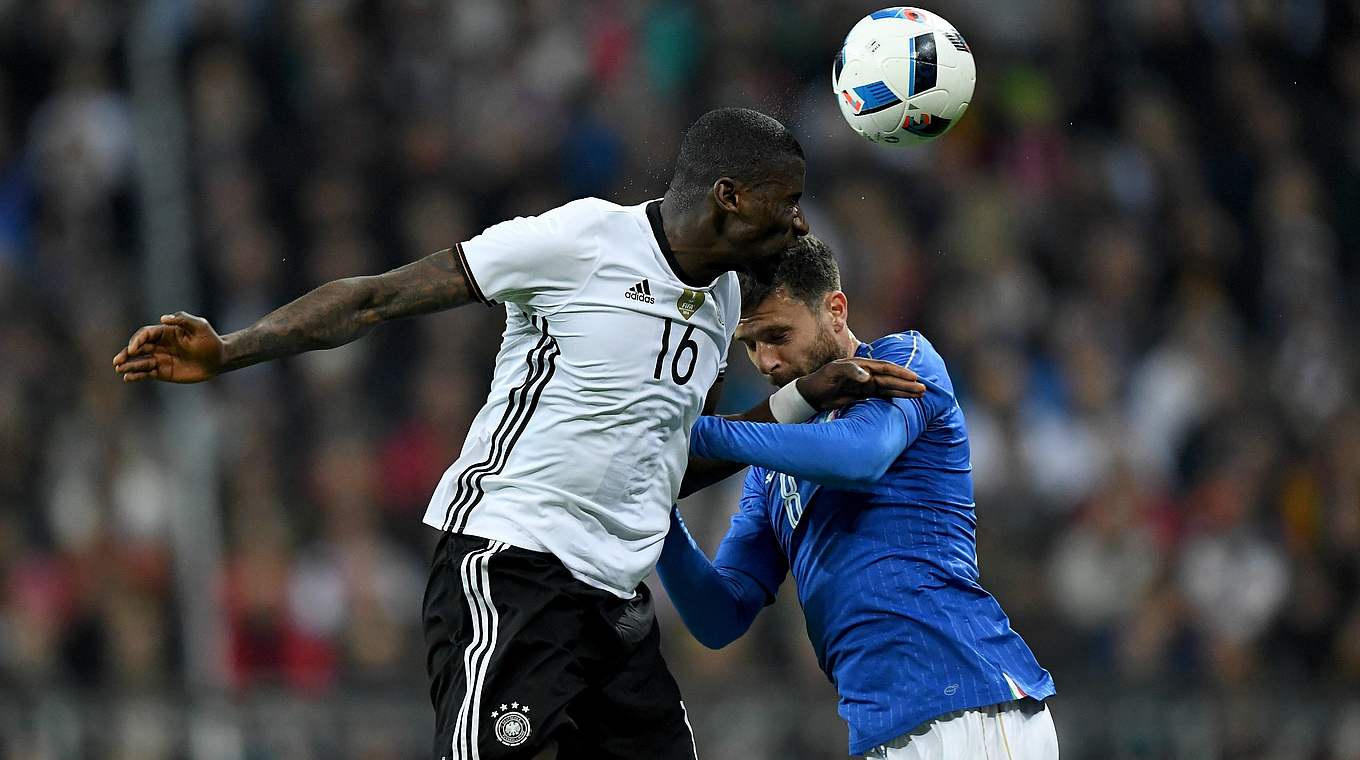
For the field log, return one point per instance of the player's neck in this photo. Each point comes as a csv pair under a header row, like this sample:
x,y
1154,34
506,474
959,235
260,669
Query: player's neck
x,y
692,240
849,344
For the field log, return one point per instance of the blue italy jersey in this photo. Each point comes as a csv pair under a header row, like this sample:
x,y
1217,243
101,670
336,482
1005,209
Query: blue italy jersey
x,y
885,561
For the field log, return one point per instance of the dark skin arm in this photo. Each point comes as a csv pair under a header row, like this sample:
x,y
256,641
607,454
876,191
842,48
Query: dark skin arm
x,y
184,348
701,473
831,387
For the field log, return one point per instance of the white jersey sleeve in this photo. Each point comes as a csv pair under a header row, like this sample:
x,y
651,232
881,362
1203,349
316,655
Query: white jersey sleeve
x,y
729,294
538,262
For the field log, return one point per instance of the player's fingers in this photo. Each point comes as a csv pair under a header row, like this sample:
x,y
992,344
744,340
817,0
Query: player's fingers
x,y
185,321
898,384
883,393
896,370
911,388
119,357
143,338
133,377
901,389
899,393
140,364
890,369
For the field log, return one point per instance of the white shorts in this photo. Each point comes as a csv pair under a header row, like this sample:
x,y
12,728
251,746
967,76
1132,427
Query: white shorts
x,y
1020,730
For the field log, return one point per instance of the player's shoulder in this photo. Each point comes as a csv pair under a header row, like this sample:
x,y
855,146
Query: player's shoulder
x,y
605,222
909,348
728,286
581,213
755,481
912,350
559,226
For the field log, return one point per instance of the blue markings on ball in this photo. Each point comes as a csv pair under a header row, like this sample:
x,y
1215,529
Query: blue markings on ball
x,y
897,11
875,97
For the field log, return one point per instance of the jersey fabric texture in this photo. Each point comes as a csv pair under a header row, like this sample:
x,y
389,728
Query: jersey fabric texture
x,y
605,362
1018,730
880,538
522,654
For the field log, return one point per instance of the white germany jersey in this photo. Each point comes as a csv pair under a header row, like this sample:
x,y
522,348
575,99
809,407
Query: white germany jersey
x,y
604,366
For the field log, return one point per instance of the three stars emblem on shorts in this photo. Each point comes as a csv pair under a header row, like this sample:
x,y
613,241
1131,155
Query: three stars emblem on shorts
x,y
512,724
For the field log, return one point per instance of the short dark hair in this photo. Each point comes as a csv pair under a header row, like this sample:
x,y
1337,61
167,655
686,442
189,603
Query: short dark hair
x,y
740,143
807,271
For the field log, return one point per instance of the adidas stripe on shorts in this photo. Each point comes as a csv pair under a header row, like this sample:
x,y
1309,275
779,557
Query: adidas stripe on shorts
x,y
522,655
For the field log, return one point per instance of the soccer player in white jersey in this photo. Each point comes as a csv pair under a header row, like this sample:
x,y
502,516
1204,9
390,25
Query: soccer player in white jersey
x,y
540,635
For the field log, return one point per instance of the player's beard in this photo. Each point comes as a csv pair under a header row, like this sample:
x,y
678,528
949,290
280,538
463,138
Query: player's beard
x,y
824,350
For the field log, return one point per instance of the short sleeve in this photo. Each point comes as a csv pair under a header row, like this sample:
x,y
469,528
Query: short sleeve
x,y
730,309
538,262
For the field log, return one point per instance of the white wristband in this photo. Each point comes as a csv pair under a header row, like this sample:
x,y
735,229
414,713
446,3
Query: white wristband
x,y
788,405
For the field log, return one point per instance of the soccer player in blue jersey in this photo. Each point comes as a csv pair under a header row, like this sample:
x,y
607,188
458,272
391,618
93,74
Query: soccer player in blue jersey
x,y
872,509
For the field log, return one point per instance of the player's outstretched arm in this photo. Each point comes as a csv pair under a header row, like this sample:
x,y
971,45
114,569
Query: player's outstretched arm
x,y
186,349
852,450
832,386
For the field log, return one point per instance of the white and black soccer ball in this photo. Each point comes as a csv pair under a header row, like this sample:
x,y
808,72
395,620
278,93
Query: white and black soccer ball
x,y
904,76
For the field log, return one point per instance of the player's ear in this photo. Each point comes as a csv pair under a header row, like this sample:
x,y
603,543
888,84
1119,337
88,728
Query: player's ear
x,y
838,308
725,194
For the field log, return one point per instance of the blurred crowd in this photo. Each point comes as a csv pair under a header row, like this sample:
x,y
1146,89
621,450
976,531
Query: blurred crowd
x,y
1137,253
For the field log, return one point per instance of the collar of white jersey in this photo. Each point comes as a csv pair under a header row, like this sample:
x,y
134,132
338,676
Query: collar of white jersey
x,y
659,232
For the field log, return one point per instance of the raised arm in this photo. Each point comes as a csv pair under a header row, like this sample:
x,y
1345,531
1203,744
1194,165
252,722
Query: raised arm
x,y
185,349
857,448
832,386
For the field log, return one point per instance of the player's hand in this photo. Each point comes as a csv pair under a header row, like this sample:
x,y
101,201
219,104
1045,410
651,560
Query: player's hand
x,y
183,348
848,380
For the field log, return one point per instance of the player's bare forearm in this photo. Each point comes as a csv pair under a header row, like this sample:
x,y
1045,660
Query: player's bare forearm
x,y
758,413
701,473
343,310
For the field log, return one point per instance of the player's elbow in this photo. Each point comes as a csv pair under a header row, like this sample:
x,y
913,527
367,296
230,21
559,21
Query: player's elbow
x,y
720,635
716,640
717,631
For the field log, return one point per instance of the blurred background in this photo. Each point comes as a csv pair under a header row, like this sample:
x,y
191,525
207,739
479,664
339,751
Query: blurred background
x,y
1137,253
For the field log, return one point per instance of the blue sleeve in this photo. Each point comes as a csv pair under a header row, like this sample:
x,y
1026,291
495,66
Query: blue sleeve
x,y
856,448
719,600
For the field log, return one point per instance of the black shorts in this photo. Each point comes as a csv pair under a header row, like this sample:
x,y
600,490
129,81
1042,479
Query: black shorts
x,y
522,655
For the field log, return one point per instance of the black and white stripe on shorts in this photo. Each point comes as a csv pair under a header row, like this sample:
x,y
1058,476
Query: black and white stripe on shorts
x,y
474,572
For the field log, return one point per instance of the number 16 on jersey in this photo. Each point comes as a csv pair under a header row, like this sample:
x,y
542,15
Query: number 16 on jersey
x,y
687,346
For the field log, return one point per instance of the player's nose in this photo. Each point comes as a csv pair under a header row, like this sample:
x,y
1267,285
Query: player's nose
x,y
767,361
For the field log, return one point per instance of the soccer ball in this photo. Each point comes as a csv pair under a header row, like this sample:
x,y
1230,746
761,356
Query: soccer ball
x,y
904,76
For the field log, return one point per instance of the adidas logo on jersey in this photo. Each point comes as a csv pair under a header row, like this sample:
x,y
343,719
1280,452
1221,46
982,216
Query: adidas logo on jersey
x,y
640,292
